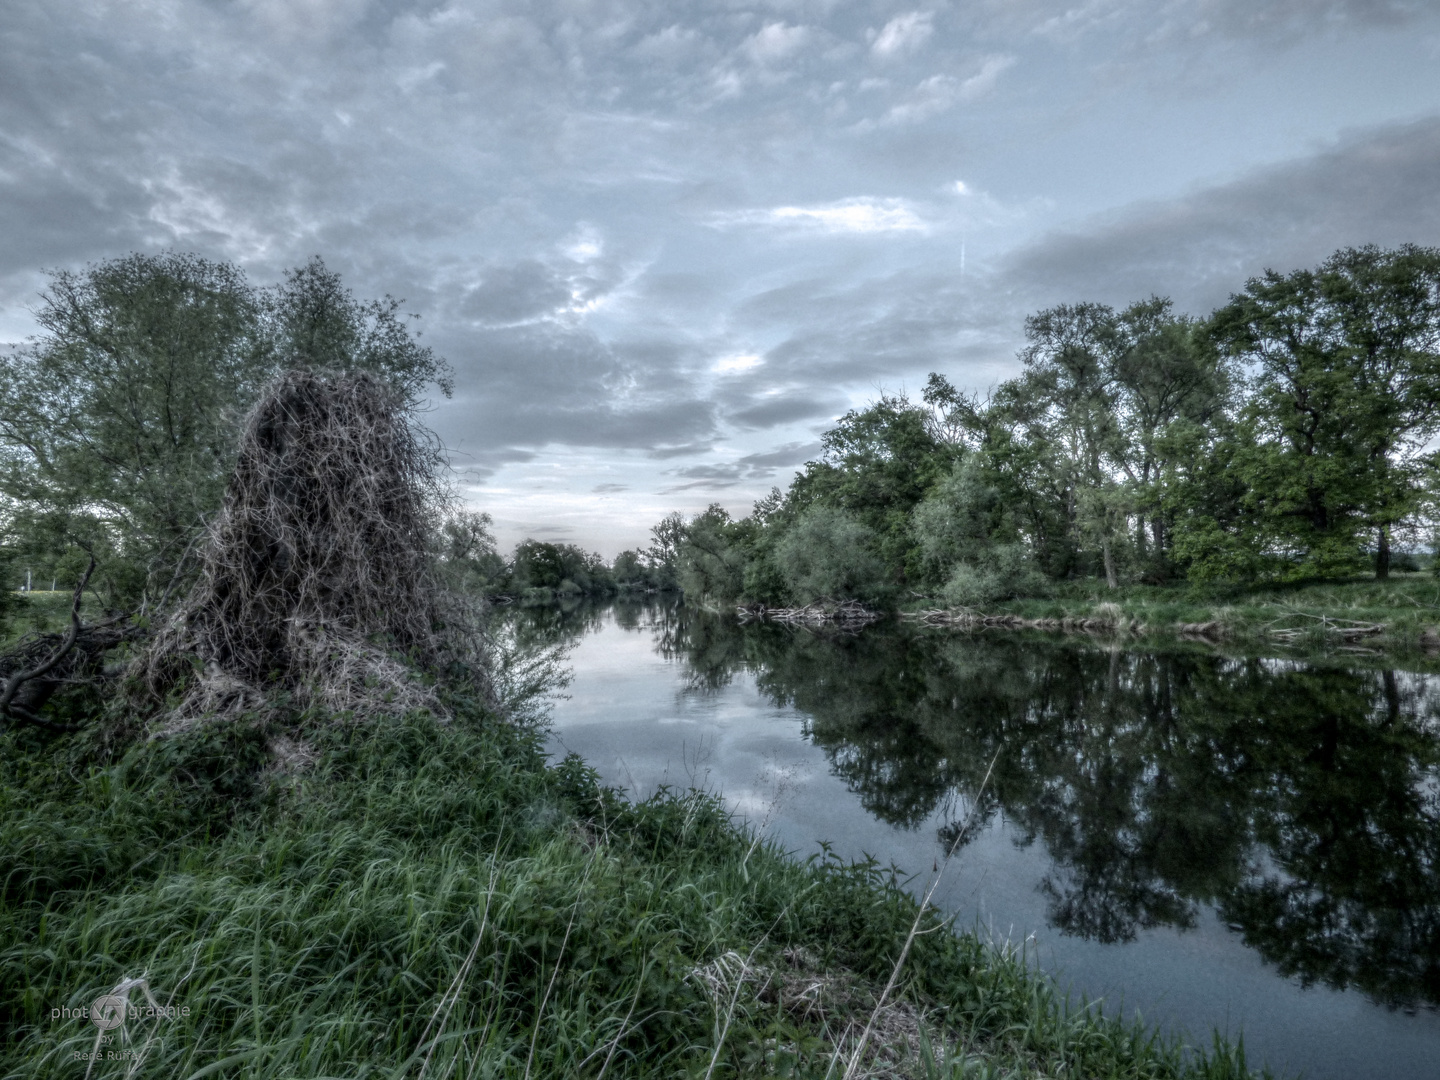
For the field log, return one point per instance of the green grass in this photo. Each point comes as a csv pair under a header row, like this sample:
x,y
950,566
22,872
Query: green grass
x,y
435,901
1407,604
45,611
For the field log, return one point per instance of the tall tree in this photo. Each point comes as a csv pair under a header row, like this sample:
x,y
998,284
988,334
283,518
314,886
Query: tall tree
x,y
1069,393
1345,373
313,320
1168,373
118,422
878,463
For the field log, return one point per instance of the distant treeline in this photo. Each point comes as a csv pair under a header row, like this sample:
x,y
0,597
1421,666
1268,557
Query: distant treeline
x,y
1287,436
538,570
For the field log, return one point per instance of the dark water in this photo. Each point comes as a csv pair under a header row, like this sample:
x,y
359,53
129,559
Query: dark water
x,y
1211,841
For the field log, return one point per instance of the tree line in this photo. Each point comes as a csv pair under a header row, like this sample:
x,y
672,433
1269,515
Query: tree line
x,y
1287,436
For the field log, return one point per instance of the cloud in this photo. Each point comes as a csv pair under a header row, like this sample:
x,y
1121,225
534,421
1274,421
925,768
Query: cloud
x,y
726,473
552,383
857,215
789,454
663,453
477,467
939,93
775,42
983,81
787,408
746,469
1152,26
670,45
903,34
731,364
521,292
1373,187
555,187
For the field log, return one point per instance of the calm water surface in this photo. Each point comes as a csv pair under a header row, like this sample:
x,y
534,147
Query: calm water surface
x,y
1209,841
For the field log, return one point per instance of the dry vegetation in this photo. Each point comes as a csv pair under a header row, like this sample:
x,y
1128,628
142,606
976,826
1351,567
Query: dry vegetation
x,y
317,579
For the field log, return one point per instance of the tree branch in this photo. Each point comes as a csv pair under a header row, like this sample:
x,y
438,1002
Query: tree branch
x,y
15,712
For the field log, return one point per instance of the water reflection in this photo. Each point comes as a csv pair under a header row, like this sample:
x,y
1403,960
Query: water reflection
x,y
1300,799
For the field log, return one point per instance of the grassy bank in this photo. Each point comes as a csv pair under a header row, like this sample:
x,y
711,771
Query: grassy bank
x,y
434,901
1406,609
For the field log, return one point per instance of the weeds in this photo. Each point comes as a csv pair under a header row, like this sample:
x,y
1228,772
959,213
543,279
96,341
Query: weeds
x,y
1401,614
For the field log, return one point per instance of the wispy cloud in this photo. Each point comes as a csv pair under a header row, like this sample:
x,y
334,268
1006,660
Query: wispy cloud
x,y
984,80
775,42
903,34
730,364
856,215
938,93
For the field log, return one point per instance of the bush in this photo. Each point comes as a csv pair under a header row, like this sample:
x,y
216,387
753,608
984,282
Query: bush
x,y
827,553
969,541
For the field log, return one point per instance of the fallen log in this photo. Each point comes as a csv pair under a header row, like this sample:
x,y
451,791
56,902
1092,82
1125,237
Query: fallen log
x,y
848,612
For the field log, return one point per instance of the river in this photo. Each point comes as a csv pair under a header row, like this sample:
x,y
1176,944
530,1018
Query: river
x,y
1203,839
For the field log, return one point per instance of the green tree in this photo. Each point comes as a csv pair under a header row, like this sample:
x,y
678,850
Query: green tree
x,y
878,463
565,568
828,554
118,422
663,554
713,555
629,570
313,320
1077,444
468,553
1345,395
1170,377
970,540
1070,395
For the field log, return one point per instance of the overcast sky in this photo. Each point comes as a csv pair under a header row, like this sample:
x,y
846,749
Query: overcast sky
x,y
664,245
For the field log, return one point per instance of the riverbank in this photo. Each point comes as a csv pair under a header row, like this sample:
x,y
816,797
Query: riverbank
x,y
1358,615
414,899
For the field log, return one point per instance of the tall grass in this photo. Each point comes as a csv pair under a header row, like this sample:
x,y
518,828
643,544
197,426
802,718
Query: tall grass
x,y
1407,605
434,901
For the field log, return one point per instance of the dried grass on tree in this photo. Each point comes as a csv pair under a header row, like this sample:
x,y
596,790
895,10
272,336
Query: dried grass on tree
x,y
318,579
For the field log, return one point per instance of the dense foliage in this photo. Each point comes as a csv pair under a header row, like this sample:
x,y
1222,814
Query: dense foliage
x,y
1285,437
119,422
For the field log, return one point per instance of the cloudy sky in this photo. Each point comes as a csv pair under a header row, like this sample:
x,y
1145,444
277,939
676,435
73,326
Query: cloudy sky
x,y
664,245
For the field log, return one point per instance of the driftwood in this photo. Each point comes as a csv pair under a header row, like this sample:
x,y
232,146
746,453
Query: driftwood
x,y
846,613
973,620
1094,624
1346,630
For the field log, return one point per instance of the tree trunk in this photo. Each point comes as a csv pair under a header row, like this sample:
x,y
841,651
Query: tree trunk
x,y
1140,538
1111,581
1382,555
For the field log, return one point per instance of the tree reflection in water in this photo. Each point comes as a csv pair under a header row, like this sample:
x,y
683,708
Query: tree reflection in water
x,y
1300,798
